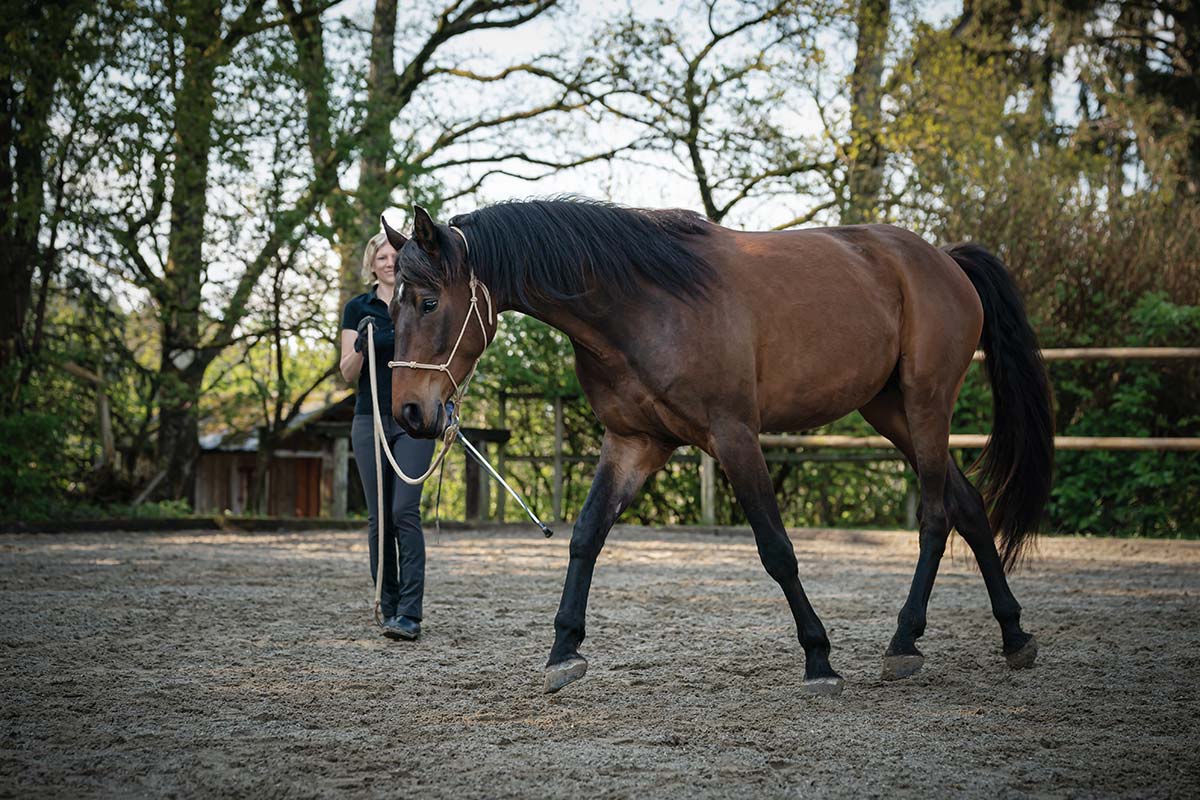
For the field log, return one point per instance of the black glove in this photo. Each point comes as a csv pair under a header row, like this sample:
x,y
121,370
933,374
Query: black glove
x,y
384,338
362,334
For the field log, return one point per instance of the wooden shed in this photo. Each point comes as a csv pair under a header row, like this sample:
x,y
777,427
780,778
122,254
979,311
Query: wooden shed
x,y
311,473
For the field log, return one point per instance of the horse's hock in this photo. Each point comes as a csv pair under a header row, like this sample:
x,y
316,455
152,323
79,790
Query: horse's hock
x,y
248,664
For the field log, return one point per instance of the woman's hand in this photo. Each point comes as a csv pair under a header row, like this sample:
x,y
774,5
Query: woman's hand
x,y
360,343
385,336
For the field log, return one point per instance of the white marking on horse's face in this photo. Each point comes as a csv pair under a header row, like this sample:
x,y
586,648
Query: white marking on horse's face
x,y
399,291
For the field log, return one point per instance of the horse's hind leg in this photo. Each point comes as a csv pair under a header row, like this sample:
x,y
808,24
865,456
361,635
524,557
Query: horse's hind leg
x,y
922,435
969,516
625,462
736,447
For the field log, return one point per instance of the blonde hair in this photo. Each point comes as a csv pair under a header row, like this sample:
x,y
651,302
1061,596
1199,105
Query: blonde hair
x,y
368,264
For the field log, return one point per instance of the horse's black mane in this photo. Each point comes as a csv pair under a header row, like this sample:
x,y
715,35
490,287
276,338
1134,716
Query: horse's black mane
x,y
563,247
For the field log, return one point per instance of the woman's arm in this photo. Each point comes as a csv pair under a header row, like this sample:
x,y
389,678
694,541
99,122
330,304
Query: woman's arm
x,y
351,362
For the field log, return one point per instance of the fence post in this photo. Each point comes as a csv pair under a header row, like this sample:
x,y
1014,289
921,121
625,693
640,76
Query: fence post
x,y
501,496
485,487
341,469
472,485
708,489
557,496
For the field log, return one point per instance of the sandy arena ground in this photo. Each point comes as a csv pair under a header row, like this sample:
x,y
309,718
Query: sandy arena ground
x,y
247,665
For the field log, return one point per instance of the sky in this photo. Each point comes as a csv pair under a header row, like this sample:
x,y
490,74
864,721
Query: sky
x,y
652,180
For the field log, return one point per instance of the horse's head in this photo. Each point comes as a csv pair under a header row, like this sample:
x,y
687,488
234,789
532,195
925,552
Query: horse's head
x,y
443,319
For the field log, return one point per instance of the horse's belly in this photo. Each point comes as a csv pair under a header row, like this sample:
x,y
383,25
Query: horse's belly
x,y
803,387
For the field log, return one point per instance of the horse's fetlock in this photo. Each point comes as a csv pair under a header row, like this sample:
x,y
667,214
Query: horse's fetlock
x,y
568,624
815,643
779,559
912,622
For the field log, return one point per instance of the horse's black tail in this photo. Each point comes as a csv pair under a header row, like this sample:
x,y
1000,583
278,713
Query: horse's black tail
x,y
1017,464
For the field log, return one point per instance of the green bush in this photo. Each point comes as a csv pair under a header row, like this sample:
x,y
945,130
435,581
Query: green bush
x,y
1132,493
34,465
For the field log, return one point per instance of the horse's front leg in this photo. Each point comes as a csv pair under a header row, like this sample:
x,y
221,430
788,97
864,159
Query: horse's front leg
x,y
736,447
625,462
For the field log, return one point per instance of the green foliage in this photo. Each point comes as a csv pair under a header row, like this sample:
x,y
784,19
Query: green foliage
x,y
33,465
1148,494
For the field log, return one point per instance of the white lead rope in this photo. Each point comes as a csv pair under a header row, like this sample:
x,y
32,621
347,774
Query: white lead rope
x,y
381,444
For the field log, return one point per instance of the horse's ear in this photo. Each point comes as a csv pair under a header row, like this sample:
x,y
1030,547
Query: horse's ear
x,y
395,238
425,231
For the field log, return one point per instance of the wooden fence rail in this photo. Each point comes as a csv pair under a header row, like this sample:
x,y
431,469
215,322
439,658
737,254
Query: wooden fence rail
x,y
978,440
1113,353
884,449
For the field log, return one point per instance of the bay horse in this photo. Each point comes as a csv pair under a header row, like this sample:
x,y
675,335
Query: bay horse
x,y
689,333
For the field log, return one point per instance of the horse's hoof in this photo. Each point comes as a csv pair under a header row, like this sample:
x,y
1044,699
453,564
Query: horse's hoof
x,y
1023,658
897,667
824,687
559,675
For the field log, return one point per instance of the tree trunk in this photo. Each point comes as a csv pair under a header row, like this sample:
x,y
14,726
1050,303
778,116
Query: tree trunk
x,y
39,37
308,34
262,467
178,433
374,182
183,362
866,152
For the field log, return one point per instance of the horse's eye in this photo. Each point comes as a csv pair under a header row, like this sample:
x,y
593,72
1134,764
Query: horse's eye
x,y
428,305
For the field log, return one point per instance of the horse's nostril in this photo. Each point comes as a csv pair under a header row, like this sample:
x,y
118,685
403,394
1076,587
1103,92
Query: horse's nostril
x,y
410,414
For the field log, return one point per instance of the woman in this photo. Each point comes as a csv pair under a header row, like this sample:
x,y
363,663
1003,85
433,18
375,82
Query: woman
x,y
403,541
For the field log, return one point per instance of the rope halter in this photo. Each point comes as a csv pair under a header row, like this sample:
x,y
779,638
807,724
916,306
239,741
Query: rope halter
x,y
461,388
476,285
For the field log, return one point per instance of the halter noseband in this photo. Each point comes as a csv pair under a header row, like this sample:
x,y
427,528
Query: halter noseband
x,y
475,285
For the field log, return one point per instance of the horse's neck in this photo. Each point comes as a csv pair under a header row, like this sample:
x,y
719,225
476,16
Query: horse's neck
x,y
580,326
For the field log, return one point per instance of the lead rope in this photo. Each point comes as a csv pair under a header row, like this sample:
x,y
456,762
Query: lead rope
x,y
381,444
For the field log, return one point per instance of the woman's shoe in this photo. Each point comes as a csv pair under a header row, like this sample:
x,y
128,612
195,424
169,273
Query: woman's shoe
x,y
401,628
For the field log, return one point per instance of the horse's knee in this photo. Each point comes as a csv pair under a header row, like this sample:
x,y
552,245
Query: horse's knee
x,y
778,558
935,527
586,544
933,542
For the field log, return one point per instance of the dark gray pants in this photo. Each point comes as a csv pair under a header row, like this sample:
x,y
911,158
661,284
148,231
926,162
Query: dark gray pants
x,y
403,541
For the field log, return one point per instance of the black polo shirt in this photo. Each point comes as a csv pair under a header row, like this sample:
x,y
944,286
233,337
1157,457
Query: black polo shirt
x,y
356,309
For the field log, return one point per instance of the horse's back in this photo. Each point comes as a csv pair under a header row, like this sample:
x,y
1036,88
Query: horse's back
x,y
830,311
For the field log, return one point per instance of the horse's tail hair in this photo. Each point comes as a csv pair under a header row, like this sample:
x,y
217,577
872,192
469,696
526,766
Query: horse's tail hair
x,y
1016,466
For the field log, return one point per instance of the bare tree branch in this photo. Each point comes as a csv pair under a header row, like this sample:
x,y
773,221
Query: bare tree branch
x,y
749,186
807,216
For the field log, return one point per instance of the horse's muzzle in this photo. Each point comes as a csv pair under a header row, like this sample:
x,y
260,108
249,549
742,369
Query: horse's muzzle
x,y
415,424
